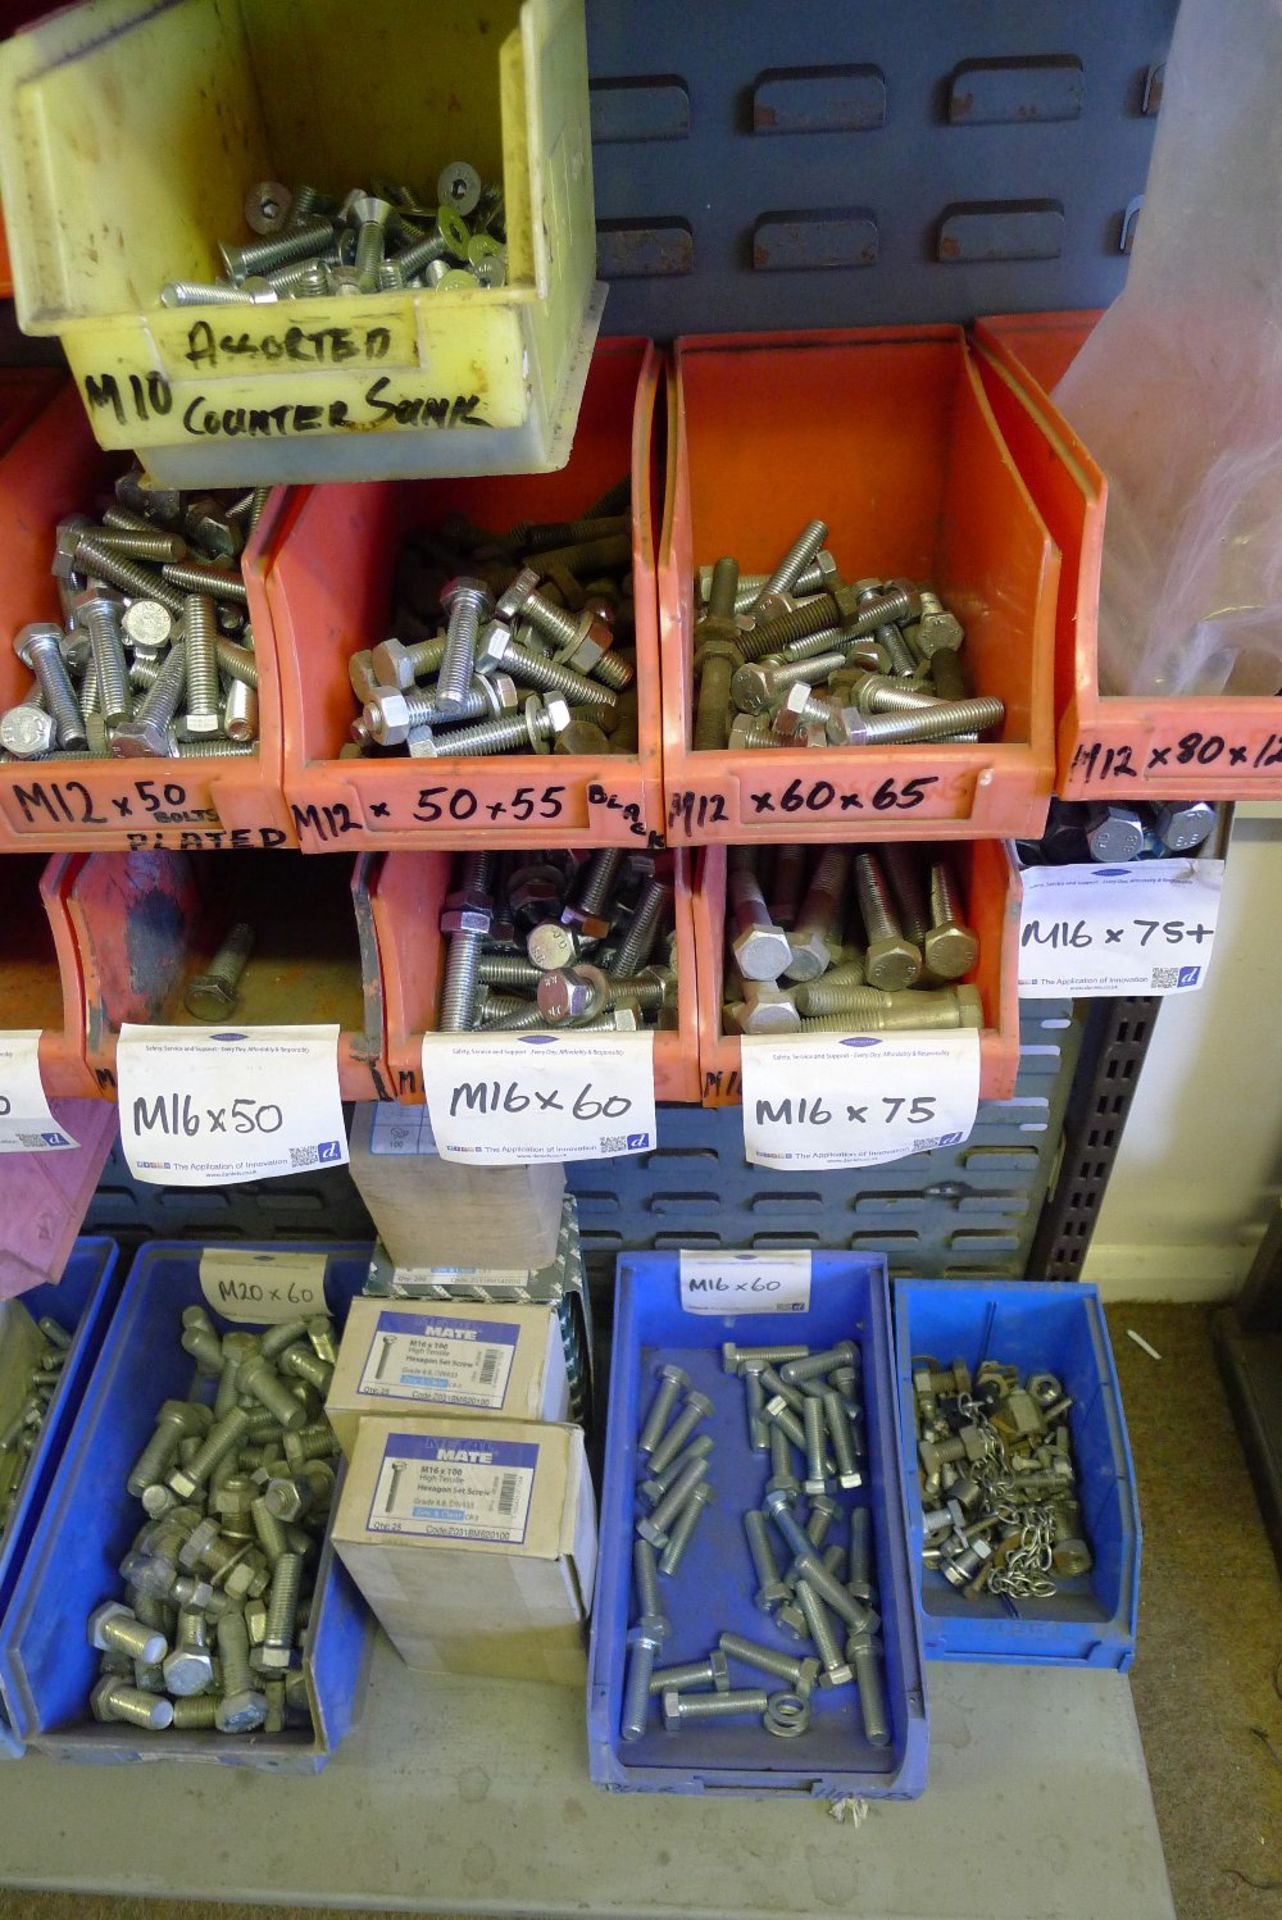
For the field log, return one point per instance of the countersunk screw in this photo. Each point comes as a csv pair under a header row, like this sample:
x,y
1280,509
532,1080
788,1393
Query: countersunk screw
x,y
835,1671
467,602
950,948
711,1672
644,1642
39,647
697,1408
771,1589
197,293
734,1704
673,1380
891,961
939,722
213,995
149,732
259,256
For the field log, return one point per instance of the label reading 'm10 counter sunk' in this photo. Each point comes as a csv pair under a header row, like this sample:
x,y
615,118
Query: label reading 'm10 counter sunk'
x,y
458,1488
456,1363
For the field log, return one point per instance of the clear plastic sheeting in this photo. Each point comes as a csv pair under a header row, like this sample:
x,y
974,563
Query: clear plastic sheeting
x,y
1178,392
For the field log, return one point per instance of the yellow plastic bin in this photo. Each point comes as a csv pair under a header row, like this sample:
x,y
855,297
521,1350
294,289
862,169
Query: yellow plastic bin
x,y
130,132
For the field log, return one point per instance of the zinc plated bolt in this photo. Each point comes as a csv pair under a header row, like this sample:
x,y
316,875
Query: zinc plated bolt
x,y
196,293
200,629
711,1672
879,693
758,687
644,1642
697,1407
148,733
99,614
637,943
467,602
646,1575
240,712
217,582
39,647
803,716
467,924
890,960
942,721
396,665
801,1673
500,649
836,1673
783,579
657,1484
212,995
654,1526
242,1707
816,1450
771,1588
810,943
140,582
682,1528
528,732
735,1704
950,948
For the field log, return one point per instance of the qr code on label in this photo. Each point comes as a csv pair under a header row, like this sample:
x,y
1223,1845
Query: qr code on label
x,y
624,1142
1165,977
326,1151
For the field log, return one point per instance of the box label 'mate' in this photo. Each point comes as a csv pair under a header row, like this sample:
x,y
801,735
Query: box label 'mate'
x,y
448,1362
454,1488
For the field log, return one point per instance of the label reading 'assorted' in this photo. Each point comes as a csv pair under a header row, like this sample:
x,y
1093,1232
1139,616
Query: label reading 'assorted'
x,y
1100,932
745,1282
455,1488
513,1099
209,1106
26,1124
454,1363
856,1099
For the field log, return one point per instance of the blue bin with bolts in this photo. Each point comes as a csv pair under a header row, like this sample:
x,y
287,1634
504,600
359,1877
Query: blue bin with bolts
x,y
1041,1328
752,1607
75,1309
90,1520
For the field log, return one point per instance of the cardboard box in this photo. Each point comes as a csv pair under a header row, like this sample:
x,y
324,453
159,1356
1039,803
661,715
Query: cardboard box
x,y
434,1212
420,1356
474,1543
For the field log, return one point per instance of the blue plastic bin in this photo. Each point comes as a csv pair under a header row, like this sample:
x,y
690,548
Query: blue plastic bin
x,y
1033,1325
81,1303
713,1590
89,1521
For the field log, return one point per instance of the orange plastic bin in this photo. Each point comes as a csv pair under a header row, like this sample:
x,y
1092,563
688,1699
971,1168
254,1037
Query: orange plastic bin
x,y
991,888
39,977
407,893
330,587
145,922
54,469
885,435
1109,746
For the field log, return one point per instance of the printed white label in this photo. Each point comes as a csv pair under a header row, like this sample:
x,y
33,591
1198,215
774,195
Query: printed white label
x,y
398,1130
26,1124
263,1287
453,1363
856,1099
209,1106
514,1099
745,1282
454,1489
1098,932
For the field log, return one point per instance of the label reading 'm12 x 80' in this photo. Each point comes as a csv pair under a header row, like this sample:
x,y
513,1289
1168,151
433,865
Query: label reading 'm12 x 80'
x,y
455,1488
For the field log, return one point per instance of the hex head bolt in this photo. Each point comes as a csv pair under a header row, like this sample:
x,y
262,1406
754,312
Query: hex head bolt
x,y
112,1699
654,1527
396,665
836,1673
116,1627
139,582
269,1529
823,1511
638,942
646,1576
657,1484
466,921
644,1642
200,628
755,1398
467,602
212,995
711,1672
697,1407
682,1529
782,1478
39,647
796,634
258,1380
859,1579
735,1704
176,1419
673,1380
761,949
189,1669
301,1362
223,1436
733,1358
527,732
781,1415
99,614
943,721
816,1447
811,940
891,960
717,657
783,579
772,1590
1182,825
843,1452
802,1674
862,1653
149,733
242,1707
950,948
276,1652
499,649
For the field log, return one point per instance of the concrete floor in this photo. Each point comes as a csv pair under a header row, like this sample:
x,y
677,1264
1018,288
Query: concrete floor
x,y
1208,1674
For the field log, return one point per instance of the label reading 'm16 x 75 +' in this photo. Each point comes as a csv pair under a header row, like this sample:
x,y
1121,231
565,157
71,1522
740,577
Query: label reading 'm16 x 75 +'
x,y
1100,932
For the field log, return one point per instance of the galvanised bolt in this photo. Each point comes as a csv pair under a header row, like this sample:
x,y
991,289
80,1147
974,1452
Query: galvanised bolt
x,y
859,1578
148,733
270,1530
735,1704
782,1478
761,949
467,602
808,1566
771,1589
39,647
198,1714
697,1407
176,1419
835,1673
733,1358
654,1527
638,941
862,1655
717,656
781,1415
758,1427
816,1449
189,1669
950,949
258,1380
222,1437
811,941
212,995
682,1528
117,1627
277,1649
644,1642
802,1673
200,630
823,1511
242,1707
785,575
301,1362
111,1699
834,1410
779,1508
943,721
646,1575
890,961
657,1484
711,1672
200,1340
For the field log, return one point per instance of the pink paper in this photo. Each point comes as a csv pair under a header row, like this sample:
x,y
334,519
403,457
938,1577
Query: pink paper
x,y
44,1196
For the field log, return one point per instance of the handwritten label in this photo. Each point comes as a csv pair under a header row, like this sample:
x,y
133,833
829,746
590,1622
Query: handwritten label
x,y
798,799
464,1487
210,1106
1159,759
138,813
263,1288
1098,932
236,410
736,1283
521,1098
26,1124
618,810
856,1100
